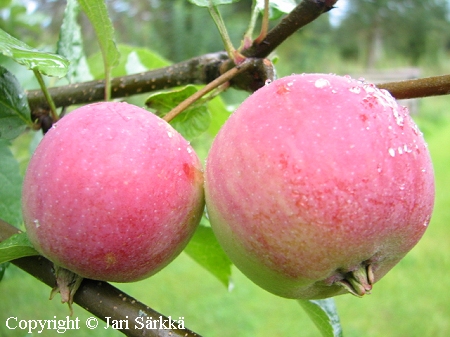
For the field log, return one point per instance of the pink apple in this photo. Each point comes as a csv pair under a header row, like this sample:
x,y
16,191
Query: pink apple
x,y
112,193
318,185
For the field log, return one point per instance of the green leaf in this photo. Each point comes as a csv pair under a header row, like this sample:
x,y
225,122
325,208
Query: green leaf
x,y
207,3
14,109
70,44
207,252
324,315
16,246
133,60
97,12
192,122
3,267
10,186
277,7
219,115
45,63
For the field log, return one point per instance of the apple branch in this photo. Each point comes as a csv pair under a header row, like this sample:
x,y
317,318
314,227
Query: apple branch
x,y
98,297
417,88
199,70
204,69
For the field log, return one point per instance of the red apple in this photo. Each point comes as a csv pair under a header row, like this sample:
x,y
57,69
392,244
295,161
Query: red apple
x,y
318,185
112,193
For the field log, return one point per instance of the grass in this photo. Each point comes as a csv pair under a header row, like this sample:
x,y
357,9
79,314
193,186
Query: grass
x,y
412,300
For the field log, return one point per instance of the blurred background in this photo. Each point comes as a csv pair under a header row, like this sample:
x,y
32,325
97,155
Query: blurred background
x,y
380,39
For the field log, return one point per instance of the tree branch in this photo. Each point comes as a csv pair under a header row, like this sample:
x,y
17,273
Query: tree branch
x,y
98,297
198,70
417,88
202,69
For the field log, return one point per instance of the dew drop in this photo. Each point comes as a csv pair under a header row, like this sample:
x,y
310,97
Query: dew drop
x,y
392,152
169,134
355,90
321,83
267,82
36,223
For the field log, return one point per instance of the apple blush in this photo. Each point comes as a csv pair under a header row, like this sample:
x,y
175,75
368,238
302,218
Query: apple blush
x,y
317,185
112,193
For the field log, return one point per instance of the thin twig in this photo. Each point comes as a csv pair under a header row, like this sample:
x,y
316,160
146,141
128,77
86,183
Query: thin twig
x,y
47,95
225,77
417,88
264,23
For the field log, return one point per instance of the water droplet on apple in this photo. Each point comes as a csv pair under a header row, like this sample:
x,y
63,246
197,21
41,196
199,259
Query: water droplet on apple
x,y
36,223
392,152
267,82
169,134
321,83
355,90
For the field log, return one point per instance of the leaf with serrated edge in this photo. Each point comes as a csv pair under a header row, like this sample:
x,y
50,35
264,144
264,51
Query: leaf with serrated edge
x,y
10,186
70,44
16,246
14,109
97,13
46,63
324,315
206,251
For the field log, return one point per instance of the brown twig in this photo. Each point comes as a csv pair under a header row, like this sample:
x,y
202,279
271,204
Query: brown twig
x,y
222,79
417,88
100,298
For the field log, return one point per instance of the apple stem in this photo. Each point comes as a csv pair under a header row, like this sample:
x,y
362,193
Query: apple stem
x,y
67,284
359,282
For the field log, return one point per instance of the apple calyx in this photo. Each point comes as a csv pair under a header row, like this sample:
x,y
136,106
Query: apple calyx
x,y
358,282
67,284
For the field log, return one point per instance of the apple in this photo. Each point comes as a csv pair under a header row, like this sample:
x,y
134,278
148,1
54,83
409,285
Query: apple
x,y
112,193
317,185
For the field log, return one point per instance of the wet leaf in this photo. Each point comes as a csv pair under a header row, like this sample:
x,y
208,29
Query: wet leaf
x,y
46,63
14,109
70,44
97,13
324,315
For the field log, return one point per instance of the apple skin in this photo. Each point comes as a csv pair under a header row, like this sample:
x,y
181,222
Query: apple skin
x,y
316,179
112,193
